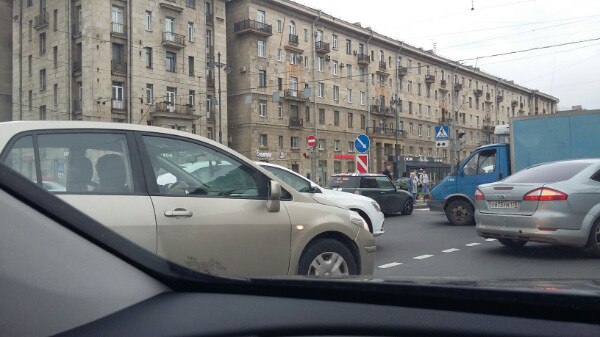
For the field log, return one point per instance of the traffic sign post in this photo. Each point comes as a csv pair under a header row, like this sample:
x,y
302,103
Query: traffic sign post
x,y
311,141
362,163
442,138
362,143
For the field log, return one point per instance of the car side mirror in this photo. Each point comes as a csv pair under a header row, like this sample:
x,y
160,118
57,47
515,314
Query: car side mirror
x,y
461,171
273,200
314,188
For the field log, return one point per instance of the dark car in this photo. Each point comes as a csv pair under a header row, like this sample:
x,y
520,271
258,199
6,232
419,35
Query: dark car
x,y
375,186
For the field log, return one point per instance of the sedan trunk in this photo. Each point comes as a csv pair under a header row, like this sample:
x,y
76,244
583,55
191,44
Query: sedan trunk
x,y
502,198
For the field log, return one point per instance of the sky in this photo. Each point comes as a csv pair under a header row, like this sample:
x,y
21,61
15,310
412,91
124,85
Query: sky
x,y
570,72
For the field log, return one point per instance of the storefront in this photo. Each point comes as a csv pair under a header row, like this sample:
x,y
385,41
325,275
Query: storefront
x,y
435,167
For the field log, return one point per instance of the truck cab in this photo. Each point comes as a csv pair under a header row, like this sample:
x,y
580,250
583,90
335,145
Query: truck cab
x,y
455,194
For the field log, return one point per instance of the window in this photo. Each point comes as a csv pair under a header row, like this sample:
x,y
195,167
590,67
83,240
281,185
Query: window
x,y
209,133
204,171
280,142
42,79
191,97
30,64
350,146
321,92
362,73
428,110
30,100
148,21
293,28
208,39
350,120
260,16
363,121
148,57
481,163
322,144
420,112
363,97
322,116
262,140
305,62
470,102
336,93
419,130
262,108
170,61
278,26
428,131
279,55
191,31
419,89
307,114
336,145
348,47
410,130
335,67
29,3
30,29
320,63
336,118
305,35
334,42
409,89
262,78
349,70
410,109
293,58
279,83
54,57
117,95
279,111
149,93
261,48
191,65
55,94
295,142
349,95
409,66
42,43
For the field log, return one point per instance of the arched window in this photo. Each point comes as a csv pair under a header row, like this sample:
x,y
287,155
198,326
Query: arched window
x,y
292,28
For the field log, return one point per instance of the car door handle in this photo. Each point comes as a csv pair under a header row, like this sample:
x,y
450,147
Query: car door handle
x,y
179,212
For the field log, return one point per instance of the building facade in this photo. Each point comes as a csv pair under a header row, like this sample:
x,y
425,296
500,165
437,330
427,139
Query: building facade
x,y
6,35
297,72
142,61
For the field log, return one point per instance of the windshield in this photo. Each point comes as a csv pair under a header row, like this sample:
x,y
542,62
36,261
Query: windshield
x,y
196,130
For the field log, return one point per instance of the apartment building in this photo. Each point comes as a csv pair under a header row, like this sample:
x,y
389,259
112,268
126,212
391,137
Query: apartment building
x,y
6,14
136,61
297,71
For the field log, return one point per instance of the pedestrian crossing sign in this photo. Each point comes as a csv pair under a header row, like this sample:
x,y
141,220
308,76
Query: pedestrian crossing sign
x,y
441,132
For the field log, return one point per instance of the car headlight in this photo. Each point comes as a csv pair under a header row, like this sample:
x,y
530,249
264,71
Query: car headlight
x,y
358,220
376,205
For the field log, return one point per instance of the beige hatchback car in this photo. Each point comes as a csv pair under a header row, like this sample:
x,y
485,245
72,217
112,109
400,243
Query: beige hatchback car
x,y
189,199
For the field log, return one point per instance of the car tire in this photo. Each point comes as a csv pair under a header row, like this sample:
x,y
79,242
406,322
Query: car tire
x,y
512,243
592,246
460,213
320,258
408,207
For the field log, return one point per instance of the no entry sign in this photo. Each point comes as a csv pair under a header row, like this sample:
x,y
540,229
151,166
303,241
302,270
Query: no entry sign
x,y
312,141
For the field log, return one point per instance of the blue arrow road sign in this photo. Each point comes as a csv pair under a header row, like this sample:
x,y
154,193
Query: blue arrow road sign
x,y
362,143
441,132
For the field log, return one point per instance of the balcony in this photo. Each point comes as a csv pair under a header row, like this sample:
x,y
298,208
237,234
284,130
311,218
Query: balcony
x,y
119,105
76,30
402,71
478,92
488,97
174,5
443,84
382,66
293,40
429,79
77,68
41,20
499,98
488,125
118,29
118,68
210,18
296,122
384,132
294,95
322,47
253,27
173,40
514,103
166,109
383,110
363,59
458,87
190,4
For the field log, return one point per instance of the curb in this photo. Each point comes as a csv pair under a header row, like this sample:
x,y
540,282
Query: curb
x,y
420,205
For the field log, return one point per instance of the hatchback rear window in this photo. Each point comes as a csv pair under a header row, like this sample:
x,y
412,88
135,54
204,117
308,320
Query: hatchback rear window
x,y
341,182
548,173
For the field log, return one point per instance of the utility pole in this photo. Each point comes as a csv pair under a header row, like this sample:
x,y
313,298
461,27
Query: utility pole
x,y
220,65
452,125
313,157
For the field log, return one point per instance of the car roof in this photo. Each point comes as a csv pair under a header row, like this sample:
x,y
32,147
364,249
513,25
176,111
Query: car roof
x,y
358,175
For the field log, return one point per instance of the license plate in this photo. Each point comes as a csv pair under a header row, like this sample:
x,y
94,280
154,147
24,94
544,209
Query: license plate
x,y
504,204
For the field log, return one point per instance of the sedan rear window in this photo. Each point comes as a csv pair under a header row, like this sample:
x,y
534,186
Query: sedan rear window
x,y
548,173
341,182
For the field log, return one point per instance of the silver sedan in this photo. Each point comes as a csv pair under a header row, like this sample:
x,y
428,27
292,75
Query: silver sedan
x,y
557,203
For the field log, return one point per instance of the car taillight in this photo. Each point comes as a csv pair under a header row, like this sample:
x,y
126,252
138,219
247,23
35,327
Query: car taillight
x,y
544,194
479,195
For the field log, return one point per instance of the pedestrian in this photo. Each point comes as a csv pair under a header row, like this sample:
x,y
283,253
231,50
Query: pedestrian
x,y
388,171
414,185
425,184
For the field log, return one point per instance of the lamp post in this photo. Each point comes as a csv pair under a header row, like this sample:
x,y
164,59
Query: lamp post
x,y
227,70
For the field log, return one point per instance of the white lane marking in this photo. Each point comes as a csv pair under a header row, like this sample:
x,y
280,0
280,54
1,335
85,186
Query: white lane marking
x,y
421,257
490,240
472,244
450,250
421,209
389,265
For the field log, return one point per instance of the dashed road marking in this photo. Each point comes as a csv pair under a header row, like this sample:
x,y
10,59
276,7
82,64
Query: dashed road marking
x,y
490,240
472,244
421,209
421,257
390,265
450,250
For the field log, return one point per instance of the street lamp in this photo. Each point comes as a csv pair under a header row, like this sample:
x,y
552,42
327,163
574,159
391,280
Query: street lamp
x,y
227,70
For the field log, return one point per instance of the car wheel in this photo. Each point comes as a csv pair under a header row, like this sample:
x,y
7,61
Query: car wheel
x,y
593,245
512,243
327,257
460,213
408,207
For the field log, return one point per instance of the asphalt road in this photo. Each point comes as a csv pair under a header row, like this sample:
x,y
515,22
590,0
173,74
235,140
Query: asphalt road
x,y
425,245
